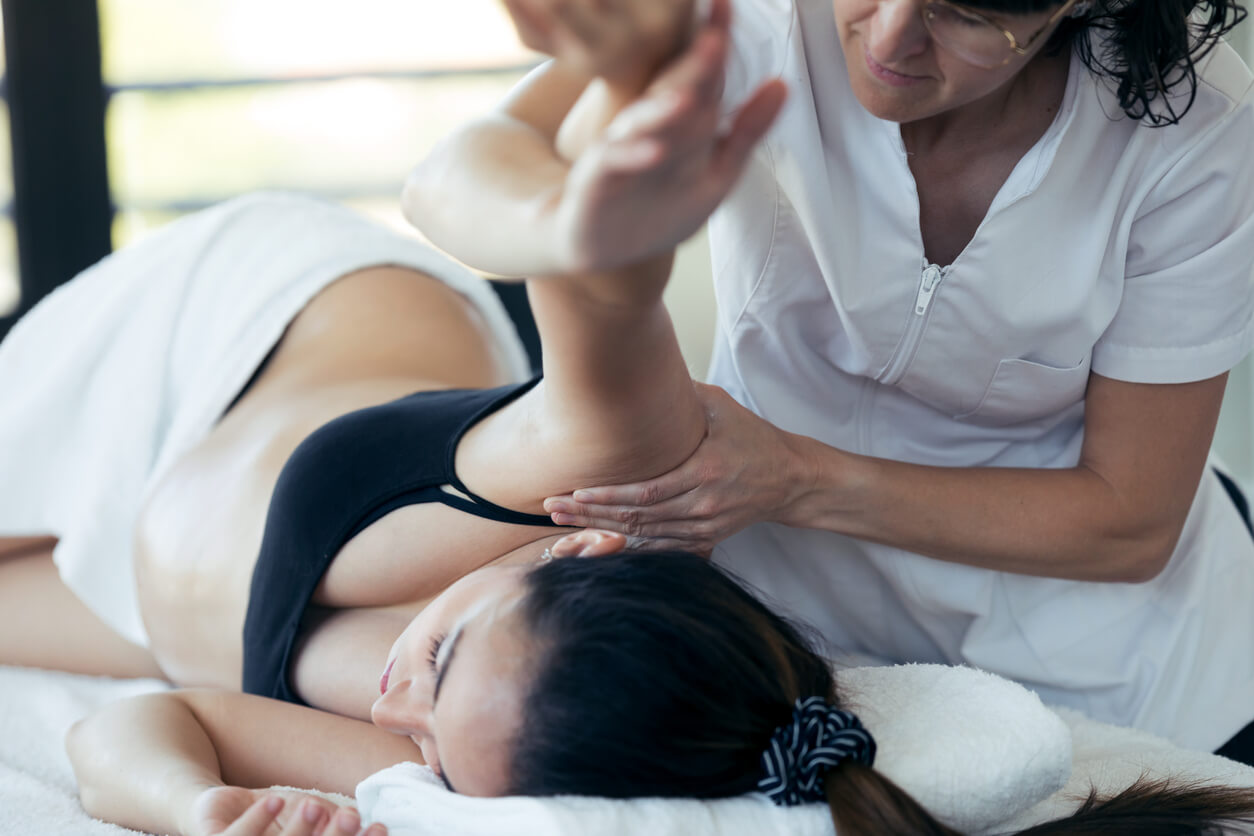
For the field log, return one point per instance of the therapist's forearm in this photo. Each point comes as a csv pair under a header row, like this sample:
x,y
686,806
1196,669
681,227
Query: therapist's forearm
x,y
1062,523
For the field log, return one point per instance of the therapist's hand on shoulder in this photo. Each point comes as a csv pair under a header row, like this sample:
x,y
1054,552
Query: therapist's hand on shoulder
x,y
746,470
621,41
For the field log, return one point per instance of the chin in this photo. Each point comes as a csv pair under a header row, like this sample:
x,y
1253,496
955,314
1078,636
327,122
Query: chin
x,y
900,106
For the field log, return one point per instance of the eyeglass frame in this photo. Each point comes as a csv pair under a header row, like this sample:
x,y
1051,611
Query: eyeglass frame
x,y
1016,48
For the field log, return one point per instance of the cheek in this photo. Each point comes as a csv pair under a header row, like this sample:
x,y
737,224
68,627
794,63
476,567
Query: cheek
x,y
970,83
849,12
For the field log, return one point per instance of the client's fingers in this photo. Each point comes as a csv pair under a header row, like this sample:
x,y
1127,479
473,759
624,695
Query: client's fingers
x,y
256,818
698,73
751,124
345,822
676,121
310,818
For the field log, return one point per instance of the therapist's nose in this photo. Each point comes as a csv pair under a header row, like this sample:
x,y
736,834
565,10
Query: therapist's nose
x,y
402,711
897,32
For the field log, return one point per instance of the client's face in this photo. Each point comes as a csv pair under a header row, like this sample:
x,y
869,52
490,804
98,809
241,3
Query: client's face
x,y
456,678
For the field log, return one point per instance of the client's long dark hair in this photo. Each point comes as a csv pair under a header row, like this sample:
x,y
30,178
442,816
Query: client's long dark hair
x,y
659,675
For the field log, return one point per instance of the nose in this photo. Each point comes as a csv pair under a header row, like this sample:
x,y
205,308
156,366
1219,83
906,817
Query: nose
x,y
400,711
897,32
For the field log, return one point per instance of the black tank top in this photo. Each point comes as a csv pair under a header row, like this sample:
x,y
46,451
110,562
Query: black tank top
x,y
348,474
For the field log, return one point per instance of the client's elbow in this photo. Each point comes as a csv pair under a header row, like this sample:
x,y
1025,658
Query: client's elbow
x,y
78,747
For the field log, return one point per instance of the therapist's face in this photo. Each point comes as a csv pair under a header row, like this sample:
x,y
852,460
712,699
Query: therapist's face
x,y
456,679
899,73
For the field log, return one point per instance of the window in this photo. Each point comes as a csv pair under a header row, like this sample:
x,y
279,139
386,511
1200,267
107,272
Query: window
x,y
212,98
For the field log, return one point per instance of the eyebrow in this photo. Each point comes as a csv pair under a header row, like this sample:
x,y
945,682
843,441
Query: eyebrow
x,y
451,644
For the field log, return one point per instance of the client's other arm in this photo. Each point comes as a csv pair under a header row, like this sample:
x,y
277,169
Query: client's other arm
x,y
191,762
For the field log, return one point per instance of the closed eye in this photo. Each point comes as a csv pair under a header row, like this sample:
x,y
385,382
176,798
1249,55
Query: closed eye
x,y
433,654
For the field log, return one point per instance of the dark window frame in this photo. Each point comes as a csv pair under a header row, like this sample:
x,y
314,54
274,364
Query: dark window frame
x,y
61,206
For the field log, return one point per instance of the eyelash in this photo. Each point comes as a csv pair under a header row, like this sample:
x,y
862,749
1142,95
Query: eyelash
x,y
434,652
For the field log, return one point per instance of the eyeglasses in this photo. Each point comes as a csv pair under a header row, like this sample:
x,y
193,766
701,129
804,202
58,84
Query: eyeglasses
x,y
976,39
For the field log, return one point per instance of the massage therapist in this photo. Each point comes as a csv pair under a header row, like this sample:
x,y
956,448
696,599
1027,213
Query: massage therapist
x,y
978,295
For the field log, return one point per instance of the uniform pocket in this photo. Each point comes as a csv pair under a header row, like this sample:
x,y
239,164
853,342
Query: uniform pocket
x,y
1022,390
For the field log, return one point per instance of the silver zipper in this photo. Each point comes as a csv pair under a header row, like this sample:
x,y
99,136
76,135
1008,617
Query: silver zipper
x,y
928,284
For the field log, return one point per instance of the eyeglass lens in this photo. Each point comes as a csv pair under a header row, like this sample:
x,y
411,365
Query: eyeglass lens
x,y
970,38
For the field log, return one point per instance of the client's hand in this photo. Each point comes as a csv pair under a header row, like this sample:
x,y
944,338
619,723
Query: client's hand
x,y
621,41
745,471
236,811
653,176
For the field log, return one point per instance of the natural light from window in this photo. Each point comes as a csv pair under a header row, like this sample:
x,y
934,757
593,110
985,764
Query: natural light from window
x,y
184,132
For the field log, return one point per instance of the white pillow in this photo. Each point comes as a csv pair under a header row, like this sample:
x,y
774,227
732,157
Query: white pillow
x,y
971,747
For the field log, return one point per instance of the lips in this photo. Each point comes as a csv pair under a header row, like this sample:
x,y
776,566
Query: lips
x,y
891,77
383,680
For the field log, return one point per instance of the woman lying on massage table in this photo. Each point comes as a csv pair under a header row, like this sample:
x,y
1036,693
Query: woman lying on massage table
x,y
404,499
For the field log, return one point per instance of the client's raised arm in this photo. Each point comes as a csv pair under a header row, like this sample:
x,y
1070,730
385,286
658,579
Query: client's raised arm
x,y
543,164
195,762
616,396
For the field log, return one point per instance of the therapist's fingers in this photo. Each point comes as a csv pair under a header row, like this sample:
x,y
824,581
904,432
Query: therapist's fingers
x,y
674,527
682,517
586,501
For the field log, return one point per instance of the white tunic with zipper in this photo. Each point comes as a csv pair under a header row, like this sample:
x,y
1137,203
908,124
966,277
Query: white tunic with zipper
x,y
1113,247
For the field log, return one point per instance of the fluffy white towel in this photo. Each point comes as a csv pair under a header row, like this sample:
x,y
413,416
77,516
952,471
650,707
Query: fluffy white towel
x,y
1112,758
38,796
973,748
117,373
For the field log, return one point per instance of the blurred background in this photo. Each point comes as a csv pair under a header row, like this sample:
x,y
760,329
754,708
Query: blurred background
x,y
117,116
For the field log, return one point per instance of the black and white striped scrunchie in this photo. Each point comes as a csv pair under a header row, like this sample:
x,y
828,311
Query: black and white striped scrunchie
x,y
818,738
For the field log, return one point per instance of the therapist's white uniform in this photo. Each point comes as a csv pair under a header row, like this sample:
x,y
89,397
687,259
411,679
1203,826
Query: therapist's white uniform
x,y
1113,247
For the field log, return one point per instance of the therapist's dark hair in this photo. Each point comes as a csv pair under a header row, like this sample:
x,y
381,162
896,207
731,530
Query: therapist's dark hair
x,y
659,675
1148,49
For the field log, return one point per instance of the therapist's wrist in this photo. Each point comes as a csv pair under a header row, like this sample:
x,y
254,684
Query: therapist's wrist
x,y
827,483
